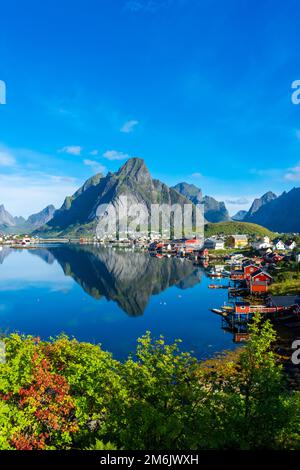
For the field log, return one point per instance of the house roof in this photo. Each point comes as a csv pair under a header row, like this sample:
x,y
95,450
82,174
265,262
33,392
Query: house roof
x,y
248,263
260,271
276,256
240,237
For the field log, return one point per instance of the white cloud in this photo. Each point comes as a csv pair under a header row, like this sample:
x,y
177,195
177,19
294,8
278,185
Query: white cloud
x,y
94,152
96,166
129,126
238,201
270,173
115,155
26,194
71,150
196,175
7,159
293,174
62,179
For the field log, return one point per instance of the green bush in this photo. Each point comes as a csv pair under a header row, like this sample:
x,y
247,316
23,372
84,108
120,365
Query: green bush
x,y
64,394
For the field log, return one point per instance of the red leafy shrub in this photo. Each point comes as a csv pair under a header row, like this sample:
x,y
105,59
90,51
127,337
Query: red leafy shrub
x,y
48,400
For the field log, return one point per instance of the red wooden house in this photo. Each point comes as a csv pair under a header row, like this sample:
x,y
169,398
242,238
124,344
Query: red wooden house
x,y
259,282
249,270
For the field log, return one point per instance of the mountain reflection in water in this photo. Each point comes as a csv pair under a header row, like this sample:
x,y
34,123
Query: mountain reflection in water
x,y
127,278
84,290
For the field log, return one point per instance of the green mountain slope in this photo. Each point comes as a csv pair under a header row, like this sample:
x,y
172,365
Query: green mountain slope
x,y
237,228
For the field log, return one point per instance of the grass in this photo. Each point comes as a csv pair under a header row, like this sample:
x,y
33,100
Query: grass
x,y
226,251
287,287
286,280
246,252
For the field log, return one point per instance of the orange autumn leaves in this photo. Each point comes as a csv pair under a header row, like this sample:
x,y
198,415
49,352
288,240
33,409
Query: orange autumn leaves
x,y
48,400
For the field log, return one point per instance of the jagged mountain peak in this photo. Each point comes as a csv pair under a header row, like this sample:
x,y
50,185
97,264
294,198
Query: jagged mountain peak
x,y
82,213
259,202
269,195
190,191
92,181
6,219
214,211
135,168
42,217
280,214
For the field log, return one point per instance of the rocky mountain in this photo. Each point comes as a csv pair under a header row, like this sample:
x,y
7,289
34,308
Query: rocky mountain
x,y
190,191
19,221
6,219
214,211
87,209
279,214
239,216
10,224
258,203
41,218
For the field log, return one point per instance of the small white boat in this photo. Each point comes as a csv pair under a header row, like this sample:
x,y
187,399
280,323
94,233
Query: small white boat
x,y
218,311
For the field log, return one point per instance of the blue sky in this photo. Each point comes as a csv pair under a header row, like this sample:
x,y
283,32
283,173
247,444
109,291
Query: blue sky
x,y
199,89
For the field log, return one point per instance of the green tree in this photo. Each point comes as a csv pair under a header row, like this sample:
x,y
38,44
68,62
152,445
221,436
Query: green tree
x,y
248,401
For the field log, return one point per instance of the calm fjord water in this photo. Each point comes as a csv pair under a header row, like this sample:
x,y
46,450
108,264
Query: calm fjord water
x,y
110,297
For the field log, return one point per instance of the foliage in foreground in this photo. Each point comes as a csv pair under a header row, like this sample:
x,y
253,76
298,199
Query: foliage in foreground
x,y
69,395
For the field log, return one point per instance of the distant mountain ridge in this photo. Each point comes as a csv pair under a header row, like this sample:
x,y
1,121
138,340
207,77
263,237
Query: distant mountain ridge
x,y
6,219
258,203
79,214
279,214
10,224
239,216
42,217
214,211
190,191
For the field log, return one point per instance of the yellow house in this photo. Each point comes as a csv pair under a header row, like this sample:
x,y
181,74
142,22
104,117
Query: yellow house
x,y
237,241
